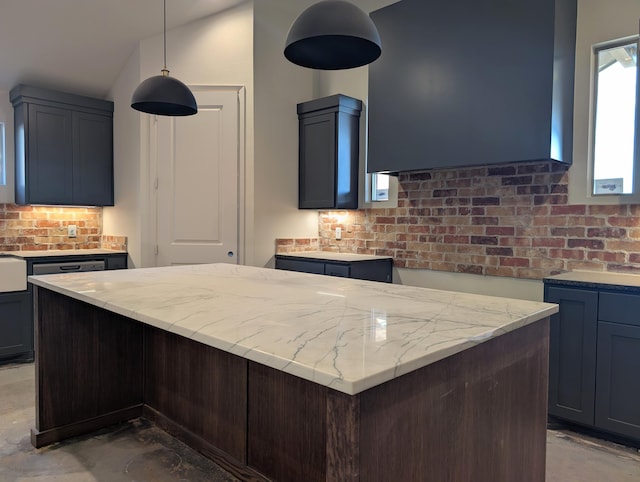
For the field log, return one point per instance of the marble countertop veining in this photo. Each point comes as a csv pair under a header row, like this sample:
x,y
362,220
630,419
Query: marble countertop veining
x,y
347,334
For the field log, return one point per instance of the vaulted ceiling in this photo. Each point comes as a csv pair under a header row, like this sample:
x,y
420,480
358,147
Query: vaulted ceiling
x,y
82,45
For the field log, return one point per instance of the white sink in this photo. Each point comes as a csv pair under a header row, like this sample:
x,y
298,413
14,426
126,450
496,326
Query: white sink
x,y
13,274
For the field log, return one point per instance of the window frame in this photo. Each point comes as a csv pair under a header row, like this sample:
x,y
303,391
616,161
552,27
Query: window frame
x,y
635,191
3,155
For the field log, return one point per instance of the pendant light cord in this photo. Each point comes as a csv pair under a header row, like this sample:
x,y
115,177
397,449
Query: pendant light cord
x,y
165,34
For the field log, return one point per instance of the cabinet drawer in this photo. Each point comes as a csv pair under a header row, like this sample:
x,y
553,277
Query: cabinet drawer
x,y
337,270
619,308
300,265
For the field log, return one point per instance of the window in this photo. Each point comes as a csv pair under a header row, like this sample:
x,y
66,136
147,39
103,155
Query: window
x,y
3,175
614,120
379,187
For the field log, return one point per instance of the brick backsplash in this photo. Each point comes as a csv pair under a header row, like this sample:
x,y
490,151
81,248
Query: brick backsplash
x,y
297,245
42,228
511,220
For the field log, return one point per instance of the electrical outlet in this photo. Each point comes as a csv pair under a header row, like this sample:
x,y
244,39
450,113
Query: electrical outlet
x,y
338,233
72,230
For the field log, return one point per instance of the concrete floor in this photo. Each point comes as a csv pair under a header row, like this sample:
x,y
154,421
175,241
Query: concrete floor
x,y
138,451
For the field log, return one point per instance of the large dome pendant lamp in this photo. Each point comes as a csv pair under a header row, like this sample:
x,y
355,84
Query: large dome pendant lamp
x,y
333,35
164,95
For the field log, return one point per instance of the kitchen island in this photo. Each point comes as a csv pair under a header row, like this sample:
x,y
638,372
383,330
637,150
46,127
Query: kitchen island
x,y
279,375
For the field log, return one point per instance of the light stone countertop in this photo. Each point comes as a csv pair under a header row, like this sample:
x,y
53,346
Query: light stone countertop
x,y
347,334
59,252
333,256
598,277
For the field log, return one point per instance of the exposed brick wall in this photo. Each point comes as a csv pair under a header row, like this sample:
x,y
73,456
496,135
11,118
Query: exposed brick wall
x,y
42,228
296,245
511,220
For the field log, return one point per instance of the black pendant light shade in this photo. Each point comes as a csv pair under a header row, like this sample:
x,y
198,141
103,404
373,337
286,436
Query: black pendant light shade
x,y
164,95
333,35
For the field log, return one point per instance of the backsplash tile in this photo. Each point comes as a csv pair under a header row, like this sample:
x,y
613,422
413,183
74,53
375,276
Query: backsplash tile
x,y
512,220
42,228
296,245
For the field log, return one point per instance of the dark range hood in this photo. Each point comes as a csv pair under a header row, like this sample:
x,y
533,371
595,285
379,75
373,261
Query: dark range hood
x,y
463,83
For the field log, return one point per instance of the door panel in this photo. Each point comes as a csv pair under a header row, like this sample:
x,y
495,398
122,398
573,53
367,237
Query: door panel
x,y
197,193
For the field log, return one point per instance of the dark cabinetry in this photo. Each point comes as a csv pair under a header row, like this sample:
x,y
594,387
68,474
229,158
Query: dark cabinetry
x,y
15,335
446,97
594,363
328,153
63,148
572,354
367,269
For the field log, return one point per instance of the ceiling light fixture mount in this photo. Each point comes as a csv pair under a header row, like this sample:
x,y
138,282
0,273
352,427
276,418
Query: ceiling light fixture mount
x,y
333,35
164,95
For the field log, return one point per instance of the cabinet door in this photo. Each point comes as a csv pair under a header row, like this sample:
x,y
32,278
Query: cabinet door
x,y
618,387
116,261
92,159
15,324
572,352
50,156
317,162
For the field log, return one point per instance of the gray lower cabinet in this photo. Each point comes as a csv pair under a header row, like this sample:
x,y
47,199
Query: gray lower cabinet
x,y
594,369
572,354
371,269
15,335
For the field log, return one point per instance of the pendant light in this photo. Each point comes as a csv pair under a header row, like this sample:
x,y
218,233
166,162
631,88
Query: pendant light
x,y
333,35
164,95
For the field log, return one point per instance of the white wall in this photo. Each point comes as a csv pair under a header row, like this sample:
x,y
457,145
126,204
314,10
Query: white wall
x,y
598,21
6,117
124,219
216,50
279,87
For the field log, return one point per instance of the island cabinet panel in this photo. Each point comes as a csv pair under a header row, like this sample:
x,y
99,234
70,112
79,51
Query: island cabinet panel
x,y
77,387
472,416
196,387
282,404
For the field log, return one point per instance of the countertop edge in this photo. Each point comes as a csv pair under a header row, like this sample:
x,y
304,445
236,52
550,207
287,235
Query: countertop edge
x,y
305,371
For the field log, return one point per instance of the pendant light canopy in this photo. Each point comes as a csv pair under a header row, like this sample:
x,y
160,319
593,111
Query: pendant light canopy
x,y
333,35
164,95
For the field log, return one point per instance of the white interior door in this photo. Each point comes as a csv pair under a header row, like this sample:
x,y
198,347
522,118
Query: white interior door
x,y
197,182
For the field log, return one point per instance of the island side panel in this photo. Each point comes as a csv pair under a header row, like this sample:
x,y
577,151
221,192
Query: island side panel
x,y
479,415
88,367
286,433
198,393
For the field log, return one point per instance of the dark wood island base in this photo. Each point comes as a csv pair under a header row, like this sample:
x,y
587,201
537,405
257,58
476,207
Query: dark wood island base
x,y
479,415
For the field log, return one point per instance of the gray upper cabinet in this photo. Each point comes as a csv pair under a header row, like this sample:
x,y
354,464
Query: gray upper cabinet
x,y
63,148
328,153
467,82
